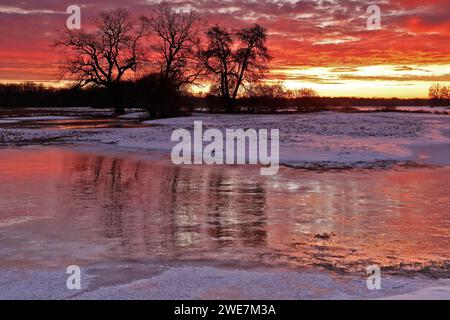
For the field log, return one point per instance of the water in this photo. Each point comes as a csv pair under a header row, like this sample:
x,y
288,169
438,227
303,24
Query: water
x,y
73,124
415,109
60,206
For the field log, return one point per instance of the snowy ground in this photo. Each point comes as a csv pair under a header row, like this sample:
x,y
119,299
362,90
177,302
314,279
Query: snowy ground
x,y
325,140
331,139
154,280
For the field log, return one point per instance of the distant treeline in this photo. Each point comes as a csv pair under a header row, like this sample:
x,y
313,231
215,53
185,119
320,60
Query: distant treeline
x,y
152,94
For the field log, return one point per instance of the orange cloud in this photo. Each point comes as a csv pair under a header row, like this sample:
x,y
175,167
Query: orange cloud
x,y
303,34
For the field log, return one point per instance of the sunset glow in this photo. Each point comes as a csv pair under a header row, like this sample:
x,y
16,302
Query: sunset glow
x,y
324,45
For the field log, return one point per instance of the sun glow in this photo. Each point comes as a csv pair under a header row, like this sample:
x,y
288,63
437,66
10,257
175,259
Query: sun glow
x,y
368,81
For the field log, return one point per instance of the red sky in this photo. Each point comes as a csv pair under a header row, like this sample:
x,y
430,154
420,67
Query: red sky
x,y
322,44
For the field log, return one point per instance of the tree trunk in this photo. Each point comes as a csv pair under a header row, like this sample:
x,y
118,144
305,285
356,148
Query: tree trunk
x,y
119,110
230,105
117,103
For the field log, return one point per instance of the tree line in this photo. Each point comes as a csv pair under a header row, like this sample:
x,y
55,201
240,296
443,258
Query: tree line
x,y
259,98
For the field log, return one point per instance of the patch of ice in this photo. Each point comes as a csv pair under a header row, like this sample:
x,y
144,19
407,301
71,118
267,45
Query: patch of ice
x,y
18,220
40,118
6,121
135,115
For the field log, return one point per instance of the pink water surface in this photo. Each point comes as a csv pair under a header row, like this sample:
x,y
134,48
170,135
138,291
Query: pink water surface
x,y
59,206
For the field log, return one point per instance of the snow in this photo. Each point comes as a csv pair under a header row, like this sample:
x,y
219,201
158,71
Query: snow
x,y
30,136
439,292
327,139
417,109
156,280
134,115
424,109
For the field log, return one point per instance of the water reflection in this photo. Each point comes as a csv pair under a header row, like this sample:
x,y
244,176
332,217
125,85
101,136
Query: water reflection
x,y
75,124
57,204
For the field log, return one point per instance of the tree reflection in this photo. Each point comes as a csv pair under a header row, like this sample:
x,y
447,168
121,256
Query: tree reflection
x,y
167,208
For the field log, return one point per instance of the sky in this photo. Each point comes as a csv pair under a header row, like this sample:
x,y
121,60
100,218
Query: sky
x,y
320,44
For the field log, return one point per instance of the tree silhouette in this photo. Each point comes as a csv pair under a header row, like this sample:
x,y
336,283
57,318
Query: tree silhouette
x,y
217,59
230,69
178,41
104,57
266,94
435,91
439,94
252,58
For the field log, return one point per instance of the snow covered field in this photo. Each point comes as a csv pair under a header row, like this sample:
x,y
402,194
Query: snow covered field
x,y
325,140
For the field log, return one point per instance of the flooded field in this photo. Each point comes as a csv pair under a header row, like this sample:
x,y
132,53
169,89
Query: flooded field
x,y
61,206
73,124
81,187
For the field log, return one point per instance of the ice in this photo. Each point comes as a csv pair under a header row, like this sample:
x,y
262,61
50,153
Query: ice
x,y
134,115
40,118
160,280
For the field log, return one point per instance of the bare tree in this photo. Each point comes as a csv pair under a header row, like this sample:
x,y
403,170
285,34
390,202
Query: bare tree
x,y
304,97
266,94
230,68
439,94
104,57
218,59
178,35
435,91
445,92
252,58
302,93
